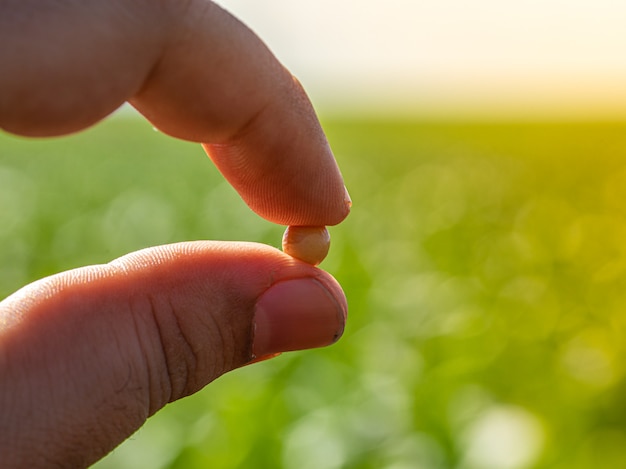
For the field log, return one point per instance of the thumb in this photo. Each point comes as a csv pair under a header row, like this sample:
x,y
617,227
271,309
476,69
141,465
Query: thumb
x,y
88,355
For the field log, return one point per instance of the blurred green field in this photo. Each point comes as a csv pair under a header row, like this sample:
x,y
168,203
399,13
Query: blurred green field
x,y
485,267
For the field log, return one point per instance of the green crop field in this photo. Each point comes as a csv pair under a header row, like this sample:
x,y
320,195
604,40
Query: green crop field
x,y
484,264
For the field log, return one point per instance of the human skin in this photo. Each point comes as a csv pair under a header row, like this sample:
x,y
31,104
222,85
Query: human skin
x,y
86,356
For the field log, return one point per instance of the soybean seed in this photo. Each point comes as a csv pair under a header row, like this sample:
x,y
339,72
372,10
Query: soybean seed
x,y
307,243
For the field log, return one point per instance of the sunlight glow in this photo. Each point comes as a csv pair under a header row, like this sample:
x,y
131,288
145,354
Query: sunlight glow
x,y
532,57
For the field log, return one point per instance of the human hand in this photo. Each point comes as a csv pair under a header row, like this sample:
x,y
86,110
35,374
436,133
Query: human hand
x,y
87,355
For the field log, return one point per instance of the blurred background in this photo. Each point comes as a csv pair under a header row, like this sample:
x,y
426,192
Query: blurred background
x,y
484,146
451,58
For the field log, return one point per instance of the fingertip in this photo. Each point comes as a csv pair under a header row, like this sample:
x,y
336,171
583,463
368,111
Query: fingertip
x,y
298,314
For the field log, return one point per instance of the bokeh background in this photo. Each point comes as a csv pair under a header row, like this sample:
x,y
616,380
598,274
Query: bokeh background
x,y
484,146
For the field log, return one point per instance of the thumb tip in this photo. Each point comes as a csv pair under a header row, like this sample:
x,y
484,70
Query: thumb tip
x,y
298,314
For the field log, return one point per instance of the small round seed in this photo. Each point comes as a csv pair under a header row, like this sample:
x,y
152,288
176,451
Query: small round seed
x,y
307,243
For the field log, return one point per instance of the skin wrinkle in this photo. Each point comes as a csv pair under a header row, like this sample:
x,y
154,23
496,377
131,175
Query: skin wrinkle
x,y
223,324
246,307
125,384
165,386
217,345
229,143
186,353
165,44
175,349
191,359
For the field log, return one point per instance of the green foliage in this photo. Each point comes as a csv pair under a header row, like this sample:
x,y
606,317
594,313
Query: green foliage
x,y
485,267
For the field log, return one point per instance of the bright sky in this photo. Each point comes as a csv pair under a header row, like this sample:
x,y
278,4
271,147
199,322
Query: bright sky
x,y
561,57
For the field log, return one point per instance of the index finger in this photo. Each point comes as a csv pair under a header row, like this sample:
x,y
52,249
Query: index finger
x,y
219,84
194,71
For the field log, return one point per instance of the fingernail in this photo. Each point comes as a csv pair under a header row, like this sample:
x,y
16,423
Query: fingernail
x,y
347,199
263,358
297,314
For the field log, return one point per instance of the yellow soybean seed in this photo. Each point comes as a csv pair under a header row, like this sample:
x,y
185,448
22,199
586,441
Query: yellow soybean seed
x,y
307,243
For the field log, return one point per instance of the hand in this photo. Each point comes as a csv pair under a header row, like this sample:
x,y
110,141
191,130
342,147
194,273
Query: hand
x,y
86,356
